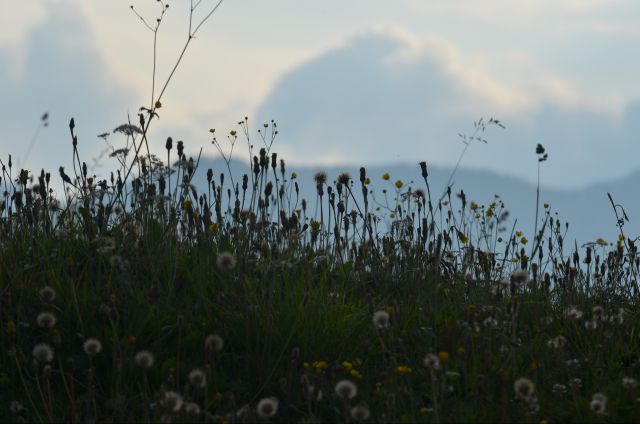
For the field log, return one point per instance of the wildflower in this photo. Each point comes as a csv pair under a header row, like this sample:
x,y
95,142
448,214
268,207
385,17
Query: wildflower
x,y
432,361
42,353
356,374
144,359
444,357
267,407
519,276
557,342
575,383
47,294
172,401
213,343
320,366
403,369
523,388
192,408
629,383
92,347
381,319
399,184
46,320
198,379
346,389
598,313
226,261
360,413
386,176
347,366
598,403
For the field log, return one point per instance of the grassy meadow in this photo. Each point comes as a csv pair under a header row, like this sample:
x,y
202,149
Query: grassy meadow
x,y
139,297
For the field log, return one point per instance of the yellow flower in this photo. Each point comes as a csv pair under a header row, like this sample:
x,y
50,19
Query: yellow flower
x,y
444,357
11,327
602,242
355,373
367,181
158,104
294,175
523,240
403,369
463,238
445,291
348,366
399,184
187,204
306,364
473,206
424,410
378,387
390,310
518,233
213,227
489,213
320,366
546,206
386,176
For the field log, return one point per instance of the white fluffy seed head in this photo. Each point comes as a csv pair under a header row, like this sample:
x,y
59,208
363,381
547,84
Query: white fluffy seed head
x,y
144,359
213,343
198,379
360,413
43,353
523,388
267,407
92,347
346,389
46,320
47,294
381,319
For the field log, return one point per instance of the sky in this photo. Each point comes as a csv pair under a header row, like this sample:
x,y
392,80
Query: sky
x,y
361,82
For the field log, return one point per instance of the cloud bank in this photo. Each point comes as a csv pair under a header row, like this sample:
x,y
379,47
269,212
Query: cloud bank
x,y
385,96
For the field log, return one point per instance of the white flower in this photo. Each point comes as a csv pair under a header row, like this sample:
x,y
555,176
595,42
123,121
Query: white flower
x,y
598,403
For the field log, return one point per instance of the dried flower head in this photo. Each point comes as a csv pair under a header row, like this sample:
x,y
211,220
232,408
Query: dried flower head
x,y
360,413
573,313
598,313
523,388
43,353
144,359
198,379
432,361
267,407
346,389
92,347
47,294
46,320
344,178
557,342
381,319
629,383
320,177
213,343
226,261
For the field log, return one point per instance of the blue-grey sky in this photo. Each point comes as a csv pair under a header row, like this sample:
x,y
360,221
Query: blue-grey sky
x,y
361,81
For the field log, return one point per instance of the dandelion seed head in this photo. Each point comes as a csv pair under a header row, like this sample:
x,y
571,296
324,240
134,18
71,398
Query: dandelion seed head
x,y
360,413
523,388
192,408
144,359
213,343
346,389
226,261
519,276
43,353
47,294
46,320
629,383
92,347
172,401
267,407
432,361
381,319
198,379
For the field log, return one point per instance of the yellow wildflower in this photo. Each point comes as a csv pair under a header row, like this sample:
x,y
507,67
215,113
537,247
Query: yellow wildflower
x,y
367,181
399,184
518,233
403,369
355,373
390,310
348,366
524,240
386,176
473,206
445,291
444,357
489,213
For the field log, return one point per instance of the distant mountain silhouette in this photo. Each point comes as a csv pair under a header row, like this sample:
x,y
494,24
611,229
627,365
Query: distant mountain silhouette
x,y
588,211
